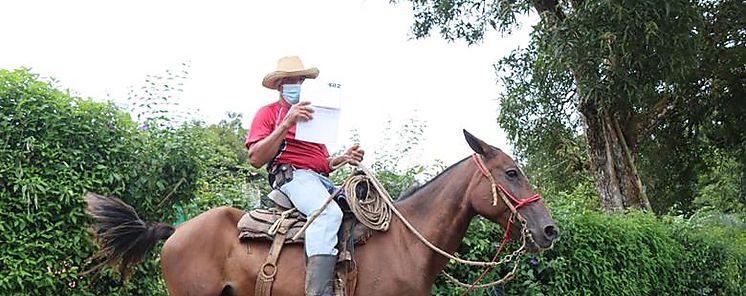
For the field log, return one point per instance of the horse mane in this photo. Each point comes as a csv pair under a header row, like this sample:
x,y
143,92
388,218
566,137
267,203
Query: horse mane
x,y
412,190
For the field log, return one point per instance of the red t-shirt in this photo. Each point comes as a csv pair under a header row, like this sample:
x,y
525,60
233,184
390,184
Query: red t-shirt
x,y
301,154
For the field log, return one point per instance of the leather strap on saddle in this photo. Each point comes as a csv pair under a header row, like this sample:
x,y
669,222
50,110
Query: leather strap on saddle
x,y
268,270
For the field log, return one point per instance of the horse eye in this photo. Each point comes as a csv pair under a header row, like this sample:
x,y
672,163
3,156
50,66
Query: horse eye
x,y
512,173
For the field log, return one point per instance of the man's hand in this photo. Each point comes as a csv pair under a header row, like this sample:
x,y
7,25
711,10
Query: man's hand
x,y
297,113
354,155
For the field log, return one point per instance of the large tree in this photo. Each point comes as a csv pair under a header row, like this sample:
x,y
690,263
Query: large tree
x,y
698,151
602,80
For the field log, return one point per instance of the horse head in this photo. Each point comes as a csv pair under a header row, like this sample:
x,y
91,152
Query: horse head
x,y
500,192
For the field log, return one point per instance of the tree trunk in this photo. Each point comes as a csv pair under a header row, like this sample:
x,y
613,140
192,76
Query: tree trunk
x,y
612,162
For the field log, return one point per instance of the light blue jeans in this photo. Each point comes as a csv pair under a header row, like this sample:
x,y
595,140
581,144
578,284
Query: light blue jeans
x,y
308,190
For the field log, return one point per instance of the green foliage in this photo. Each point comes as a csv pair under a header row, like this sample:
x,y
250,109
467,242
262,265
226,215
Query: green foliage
x,y
716,258
592,58
627,54
155,103
691,147
466,19
229,180
669,72
540,116
56,147
622,254
617,255
723,185
219,173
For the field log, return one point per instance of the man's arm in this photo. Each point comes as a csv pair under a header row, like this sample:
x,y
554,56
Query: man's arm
x,y
265,149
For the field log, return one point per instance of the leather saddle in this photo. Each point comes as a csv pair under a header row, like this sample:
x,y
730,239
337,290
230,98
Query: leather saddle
x,y
263,224
279,224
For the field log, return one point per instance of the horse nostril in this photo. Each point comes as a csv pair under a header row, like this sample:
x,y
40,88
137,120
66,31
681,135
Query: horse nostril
x,y
550,231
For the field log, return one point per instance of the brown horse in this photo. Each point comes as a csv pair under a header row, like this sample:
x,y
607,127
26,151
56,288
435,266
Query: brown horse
x,y
203,256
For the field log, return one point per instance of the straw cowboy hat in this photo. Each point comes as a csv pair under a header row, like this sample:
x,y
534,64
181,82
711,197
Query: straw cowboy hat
x,y
288,67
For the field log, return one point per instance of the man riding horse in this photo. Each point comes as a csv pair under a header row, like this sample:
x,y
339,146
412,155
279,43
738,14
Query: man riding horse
x,y
204,256
300,169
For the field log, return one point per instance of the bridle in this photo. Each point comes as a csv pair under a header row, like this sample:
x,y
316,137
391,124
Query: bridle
x,y
511,201
513,204
506,195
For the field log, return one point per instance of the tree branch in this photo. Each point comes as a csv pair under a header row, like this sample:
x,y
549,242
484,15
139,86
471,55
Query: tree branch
x,y
551,6
576,3
642,123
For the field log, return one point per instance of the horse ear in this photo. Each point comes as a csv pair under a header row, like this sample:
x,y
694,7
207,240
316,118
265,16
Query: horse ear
x,y
479,146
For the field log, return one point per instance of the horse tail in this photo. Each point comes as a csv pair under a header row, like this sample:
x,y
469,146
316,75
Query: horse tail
x,y
124,238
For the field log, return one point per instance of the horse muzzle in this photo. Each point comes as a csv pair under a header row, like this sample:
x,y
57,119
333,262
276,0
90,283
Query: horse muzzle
x,y
542,238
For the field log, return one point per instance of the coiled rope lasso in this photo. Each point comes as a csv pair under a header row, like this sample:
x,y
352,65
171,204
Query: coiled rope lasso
x,y
370,208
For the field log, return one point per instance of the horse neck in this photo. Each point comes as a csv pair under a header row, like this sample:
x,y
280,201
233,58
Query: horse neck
x,y
441,212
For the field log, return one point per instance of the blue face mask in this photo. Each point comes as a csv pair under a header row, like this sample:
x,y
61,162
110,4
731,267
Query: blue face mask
x,y
291,93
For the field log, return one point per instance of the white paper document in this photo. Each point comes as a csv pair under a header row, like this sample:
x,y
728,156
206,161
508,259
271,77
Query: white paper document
x,y
322,128
322,93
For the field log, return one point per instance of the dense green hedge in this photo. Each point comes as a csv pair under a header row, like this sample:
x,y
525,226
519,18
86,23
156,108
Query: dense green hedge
x,y
623,254
53,148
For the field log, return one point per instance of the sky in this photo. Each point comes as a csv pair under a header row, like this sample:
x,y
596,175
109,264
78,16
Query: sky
x,y
101,49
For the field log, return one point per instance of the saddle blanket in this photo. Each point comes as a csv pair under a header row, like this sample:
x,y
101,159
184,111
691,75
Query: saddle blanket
x,y
261,224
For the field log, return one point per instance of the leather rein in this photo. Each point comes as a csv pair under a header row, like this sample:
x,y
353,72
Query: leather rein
x,y
513,204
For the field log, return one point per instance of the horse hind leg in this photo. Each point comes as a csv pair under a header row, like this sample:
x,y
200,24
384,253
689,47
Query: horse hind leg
x,y
189,258
186,274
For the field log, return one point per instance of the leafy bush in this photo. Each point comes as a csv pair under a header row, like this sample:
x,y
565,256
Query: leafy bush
x,y
722,185
623,254
598,254
54,148
228,180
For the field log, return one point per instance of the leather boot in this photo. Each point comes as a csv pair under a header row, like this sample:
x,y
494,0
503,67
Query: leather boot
x,y
320,275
